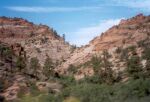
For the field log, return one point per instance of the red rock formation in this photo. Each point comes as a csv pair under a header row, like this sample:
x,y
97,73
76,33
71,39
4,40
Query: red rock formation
x,y
37,40
127,32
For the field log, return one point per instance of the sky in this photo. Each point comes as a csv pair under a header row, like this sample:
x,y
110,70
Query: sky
x,y
79,20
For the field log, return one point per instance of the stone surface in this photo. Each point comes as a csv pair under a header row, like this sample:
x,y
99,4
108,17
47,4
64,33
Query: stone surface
x,y
127,33
37,40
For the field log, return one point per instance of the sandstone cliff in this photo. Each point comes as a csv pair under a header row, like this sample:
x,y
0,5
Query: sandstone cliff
x,y
128,33
37,40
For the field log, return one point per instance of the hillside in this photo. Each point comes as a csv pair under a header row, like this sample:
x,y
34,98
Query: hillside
x,y
24,45
127,34
37,65
38,40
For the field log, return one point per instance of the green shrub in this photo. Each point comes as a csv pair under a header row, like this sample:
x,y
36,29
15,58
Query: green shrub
x,y
124,55
36,96
88,92
71,99
107,74
131,48
72,69
5,52
48,69
146,54
141,43
95,79
34,65
28,98
46,98
34,91
22,91
131,91
134,67
102,68
67,80
20,63
96,64
118,50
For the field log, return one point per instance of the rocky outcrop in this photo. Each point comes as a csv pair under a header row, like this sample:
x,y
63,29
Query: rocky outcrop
x,y
37,40
20,41
10,77
20,38
50,87
128,33
11,92
41,41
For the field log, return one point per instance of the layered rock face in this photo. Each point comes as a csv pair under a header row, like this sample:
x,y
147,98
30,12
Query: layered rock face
x,y
10,76
20,38
20,41
128,33
38,40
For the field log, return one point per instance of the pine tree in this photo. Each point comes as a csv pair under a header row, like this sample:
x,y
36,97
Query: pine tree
x,y
72,69
21,64
96,63
134,67
48,68
107,74
64,36
34,65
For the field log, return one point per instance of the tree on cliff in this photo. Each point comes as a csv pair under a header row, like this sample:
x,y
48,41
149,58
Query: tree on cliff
x,y
34,65
20,63
48,68
134,67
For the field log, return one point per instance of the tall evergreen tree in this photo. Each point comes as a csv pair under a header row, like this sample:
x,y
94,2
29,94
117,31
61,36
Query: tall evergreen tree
x,y
134,67
96,63
48,68
34,65
107,74
20,64
64,36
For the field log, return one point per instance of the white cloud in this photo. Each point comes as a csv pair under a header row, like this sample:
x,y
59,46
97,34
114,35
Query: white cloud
x,y
50,9
138,4
84,35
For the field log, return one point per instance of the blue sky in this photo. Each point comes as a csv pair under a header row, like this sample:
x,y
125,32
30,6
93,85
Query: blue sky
x,y
80,20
